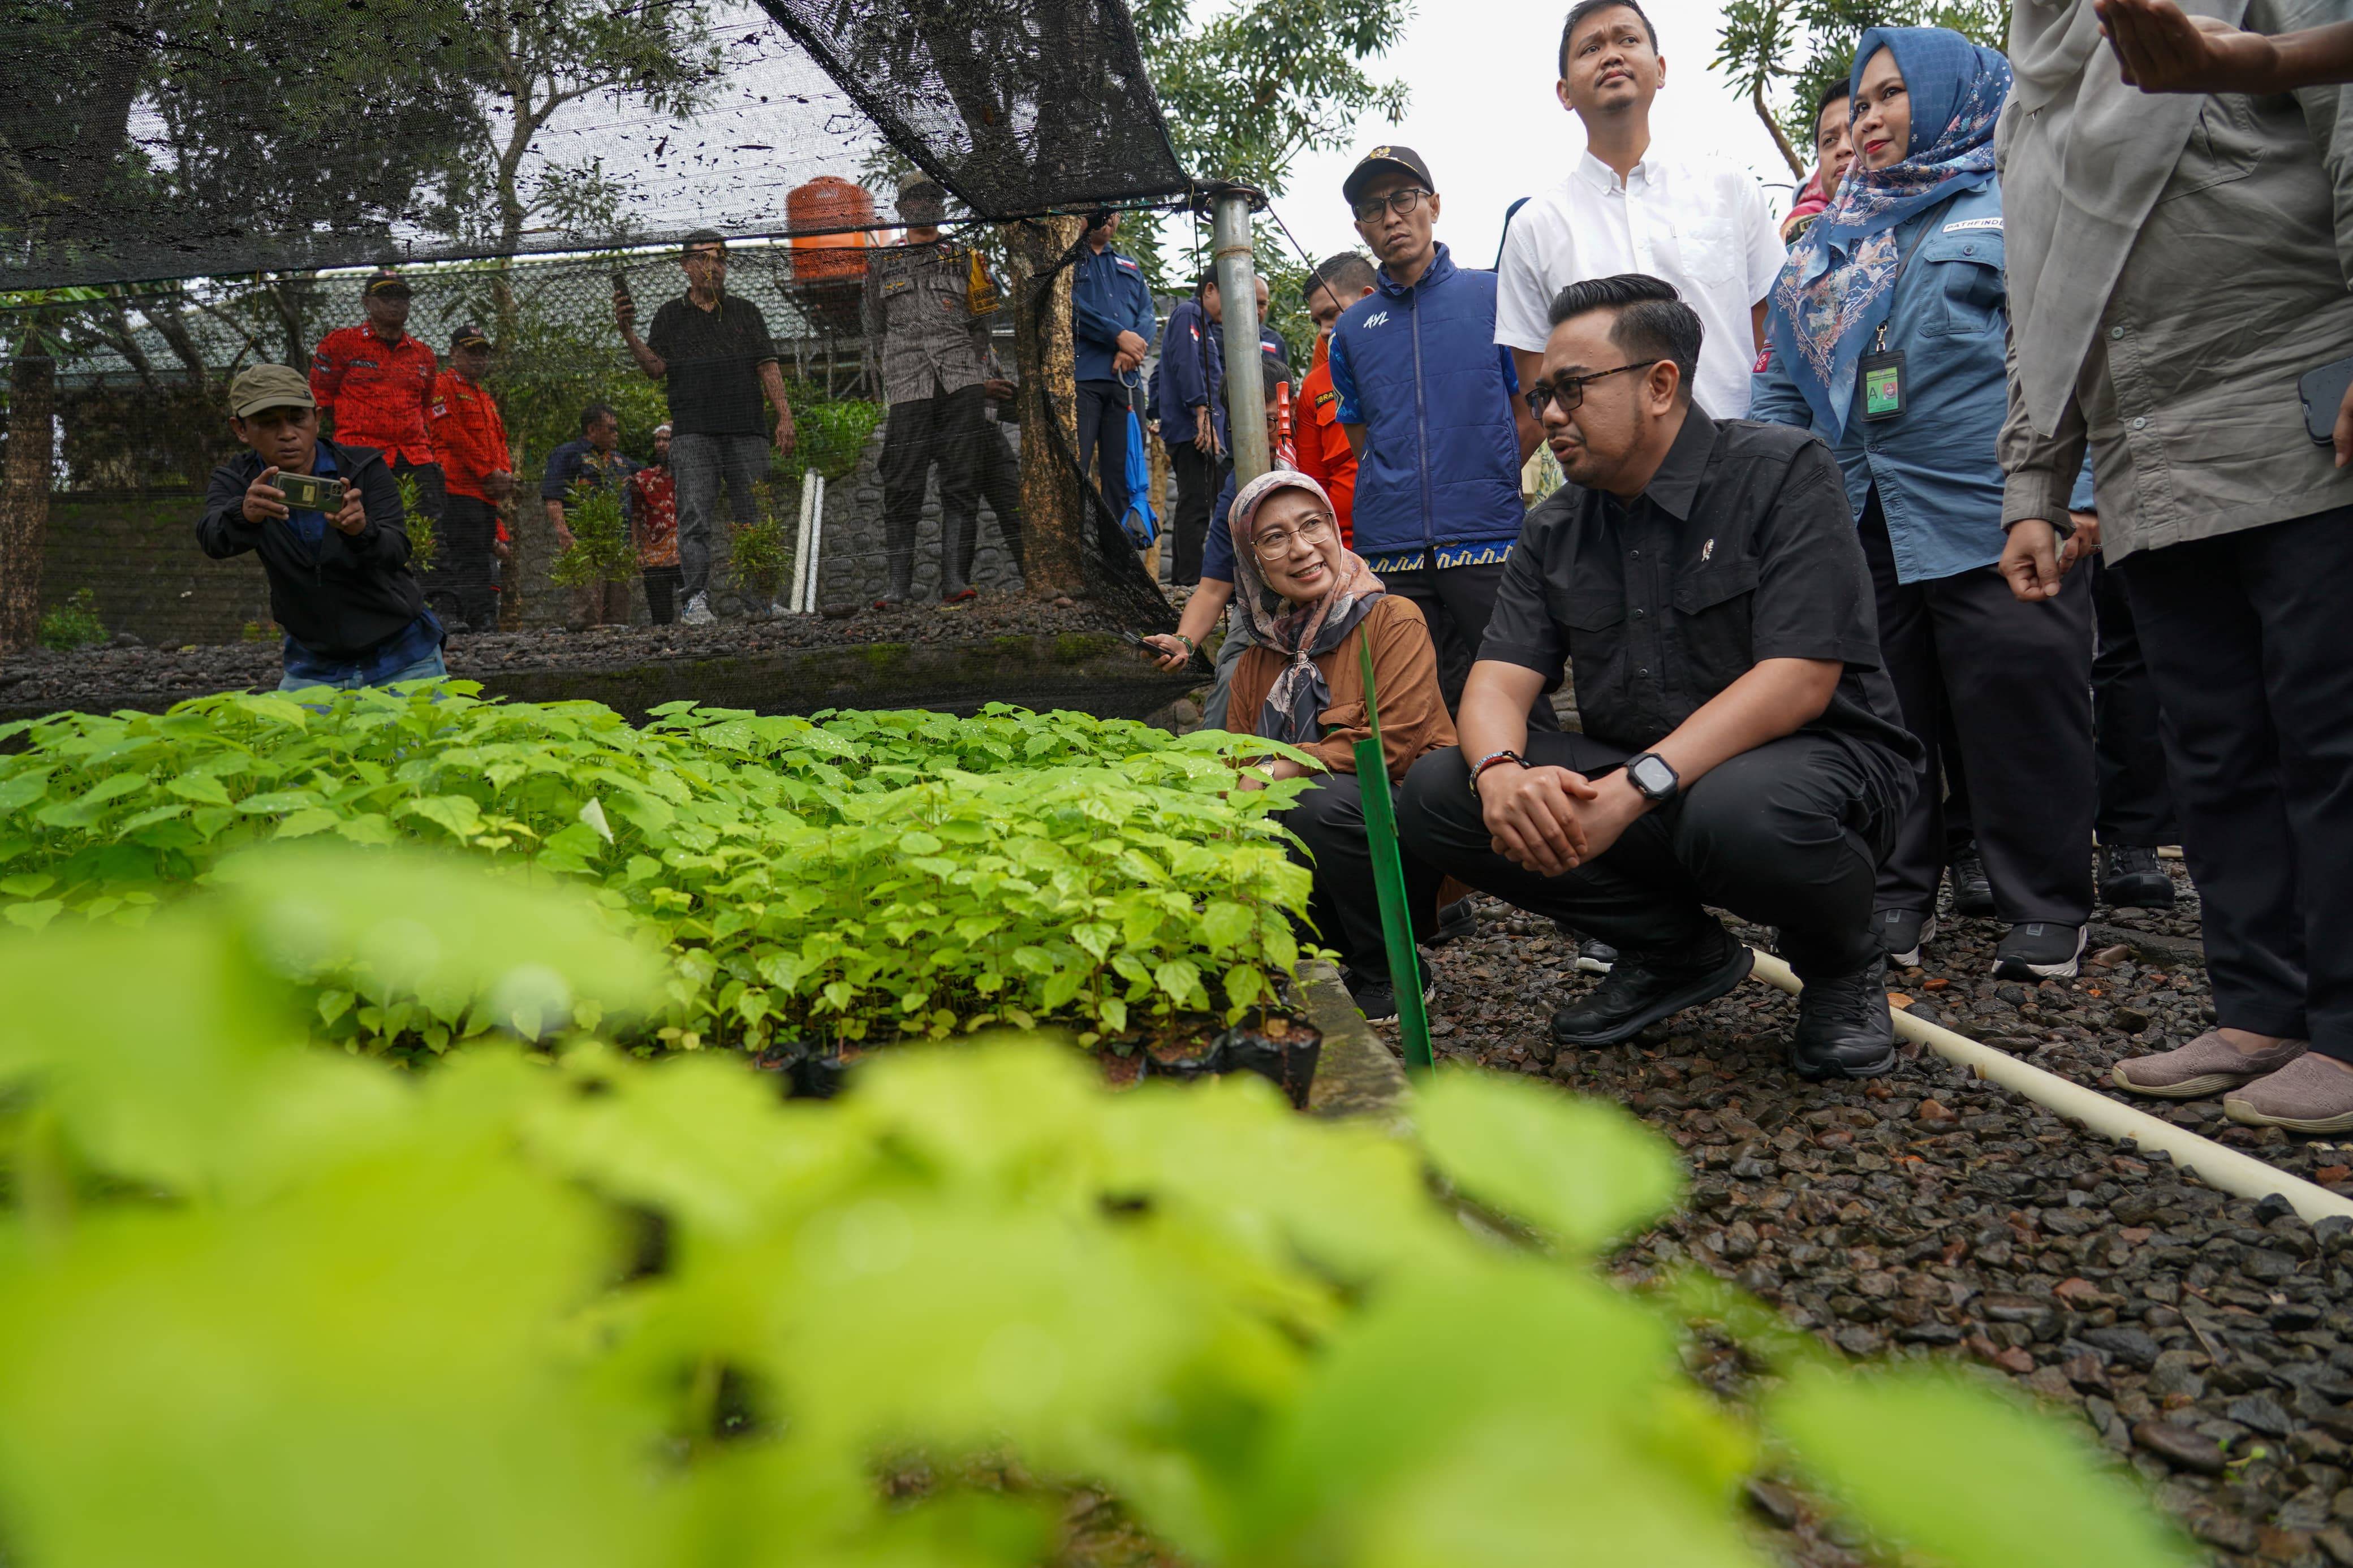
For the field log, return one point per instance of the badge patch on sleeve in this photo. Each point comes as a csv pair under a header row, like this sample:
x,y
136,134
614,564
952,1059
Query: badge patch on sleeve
x,y
1764,361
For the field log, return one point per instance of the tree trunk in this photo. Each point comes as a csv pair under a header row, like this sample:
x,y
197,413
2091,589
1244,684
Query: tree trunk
x,y
1054,525
25,497
1765,113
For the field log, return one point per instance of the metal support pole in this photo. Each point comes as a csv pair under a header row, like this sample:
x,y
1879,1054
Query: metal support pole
x,y
1230,233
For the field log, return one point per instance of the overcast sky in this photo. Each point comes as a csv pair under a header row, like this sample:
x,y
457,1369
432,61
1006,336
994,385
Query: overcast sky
x,y
1484,117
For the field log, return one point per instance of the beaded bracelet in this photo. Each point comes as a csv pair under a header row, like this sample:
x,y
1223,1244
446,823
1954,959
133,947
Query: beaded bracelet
x,y
1489,761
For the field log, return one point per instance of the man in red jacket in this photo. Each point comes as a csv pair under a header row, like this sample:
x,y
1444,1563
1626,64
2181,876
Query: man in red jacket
x,y
376,382
1323,454
478,465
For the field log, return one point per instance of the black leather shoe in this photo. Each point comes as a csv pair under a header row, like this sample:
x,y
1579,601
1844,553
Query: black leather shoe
x,y
1844,1029
1456,919
1972,892
1644,988
2132,878
1375,997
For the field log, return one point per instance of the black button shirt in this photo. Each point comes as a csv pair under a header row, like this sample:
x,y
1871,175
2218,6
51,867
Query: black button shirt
x,y
1741,549
713,360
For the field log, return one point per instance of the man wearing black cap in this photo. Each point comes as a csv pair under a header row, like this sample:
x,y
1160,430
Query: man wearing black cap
x,y
477,464
339,582
929,303
1429,404
375,381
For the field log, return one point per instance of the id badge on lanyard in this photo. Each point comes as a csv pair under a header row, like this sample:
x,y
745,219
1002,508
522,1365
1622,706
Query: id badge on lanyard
x,y
1883,369
1883,380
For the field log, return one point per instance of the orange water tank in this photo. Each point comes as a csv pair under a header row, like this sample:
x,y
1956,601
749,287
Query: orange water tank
x,y
824,202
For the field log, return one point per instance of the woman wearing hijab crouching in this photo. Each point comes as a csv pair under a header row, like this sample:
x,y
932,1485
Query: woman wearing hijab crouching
x,y
1313,605
1885,338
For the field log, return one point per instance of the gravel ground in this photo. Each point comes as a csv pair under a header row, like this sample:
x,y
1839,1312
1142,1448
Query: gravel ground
x,y
104,677
2208,1342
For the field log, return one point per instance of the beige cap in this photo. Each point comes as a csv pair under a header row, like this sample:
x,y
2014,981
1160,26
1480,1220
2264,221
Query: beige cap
x,y
260,386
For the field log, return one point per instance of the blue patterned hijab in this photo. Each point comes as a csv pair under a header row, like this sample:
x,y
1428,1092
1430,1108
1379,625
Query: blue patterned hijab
x,y
1840,281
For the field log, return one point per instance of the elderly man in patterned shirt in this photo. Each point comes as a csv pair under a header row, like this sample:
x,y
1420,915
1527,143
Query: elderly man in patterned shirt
x,y
929,302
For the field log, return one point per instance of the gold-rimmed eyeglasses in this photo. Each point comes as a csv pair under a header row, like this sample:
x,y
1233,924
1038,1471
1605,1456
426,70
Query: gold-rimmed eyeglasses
x,y
1275,543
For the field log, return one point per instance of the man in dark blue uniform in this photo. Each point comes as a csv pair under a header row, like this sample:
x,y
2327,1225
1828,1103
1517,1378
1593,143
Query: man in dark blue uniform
x,y
1113,322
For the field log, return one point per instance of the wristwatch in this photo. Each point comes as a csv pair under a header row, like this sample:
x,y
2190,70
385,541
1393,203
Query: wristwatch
x,y
1649,774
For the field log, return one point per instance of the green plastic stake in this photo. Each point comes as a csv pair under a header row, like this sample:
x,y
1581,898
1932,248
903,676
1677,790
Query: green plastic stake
x,y
1388,879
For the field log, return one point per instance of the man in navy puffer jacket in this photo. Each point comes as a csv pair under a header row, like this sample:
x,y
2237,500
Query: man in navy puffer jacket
x,y
1432,405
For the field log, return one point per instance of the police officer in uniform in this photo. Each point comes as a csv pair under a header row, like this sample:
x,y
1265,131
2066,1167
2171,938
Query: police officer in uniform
x,y
928,303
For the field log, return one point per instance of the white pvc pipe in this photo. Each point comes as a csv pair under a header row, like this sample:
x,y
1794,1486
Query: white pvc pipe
x,y
2242,1175
816,534
797,600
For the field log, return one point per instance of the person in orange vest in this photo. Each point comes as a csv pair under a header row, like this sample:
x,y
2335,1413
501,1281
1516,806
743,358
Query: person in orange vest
x,y
1323,454
478,465
376,382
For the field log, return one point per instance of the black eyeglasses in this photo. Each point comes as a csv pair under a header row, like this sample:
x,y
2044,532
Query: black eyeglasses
x,y
1398,202
1569,390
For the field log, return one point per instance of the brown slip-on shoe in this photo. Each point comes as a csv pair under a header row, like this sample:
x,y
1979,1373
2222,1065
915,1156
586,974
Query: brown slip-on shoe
x,y
2206,1064
2311,1094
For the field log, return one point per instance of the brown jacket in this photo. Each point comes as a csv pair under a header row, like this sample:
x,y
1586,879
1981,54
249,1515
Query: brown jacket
x,y
1414,720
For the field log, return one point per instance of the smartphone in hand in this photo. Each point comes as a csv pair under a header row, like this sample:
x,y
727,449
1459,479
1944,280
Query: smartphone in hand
x,y
310,492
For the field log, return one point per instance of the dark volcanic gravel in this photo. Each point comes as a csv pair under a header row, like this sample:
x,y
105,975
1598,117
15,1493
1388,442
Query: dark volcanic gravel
x,y
101,678
2208,1342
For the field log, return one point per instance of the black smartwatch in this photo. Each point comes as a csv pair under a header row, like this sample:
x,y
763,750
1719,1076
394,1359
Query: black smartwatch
x,y
1650,773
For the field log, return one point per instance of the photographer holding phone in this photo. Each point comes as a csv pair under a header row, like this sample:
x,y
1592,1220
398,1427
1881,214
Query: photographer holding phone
x,y
2166,311
340,583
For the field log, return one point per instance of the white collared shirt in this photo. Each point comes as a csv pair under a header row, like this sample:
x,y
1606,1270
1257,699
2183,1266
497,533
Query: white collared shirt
x,y
1697,222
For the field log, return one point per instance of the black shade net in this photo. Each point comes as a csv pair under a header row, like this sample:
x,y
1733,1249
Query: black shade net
x,y
152,139
188,187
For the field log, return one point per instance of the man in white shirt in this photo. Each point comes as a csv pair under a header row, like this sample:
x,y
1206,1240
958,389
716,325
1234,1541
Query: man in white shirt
x,y
1697,222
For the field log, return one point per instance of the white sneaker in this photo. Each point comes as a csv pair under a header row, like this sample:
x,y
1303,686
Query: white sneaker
x,y
698,612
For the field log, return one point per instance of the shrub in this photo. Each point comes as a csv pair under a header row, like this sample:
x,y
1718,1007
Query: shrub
x,y
601,550
272,1308
73,623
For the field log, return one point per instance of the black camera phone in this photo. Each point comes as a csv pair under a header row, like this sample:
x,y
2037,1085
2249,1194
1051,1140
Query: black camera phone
x,y
2323,392
620,283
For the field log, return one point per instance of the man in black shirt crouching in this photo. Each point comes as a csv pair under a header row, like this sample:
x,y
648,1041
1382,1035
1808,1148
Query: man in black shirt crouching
x,y
1742,747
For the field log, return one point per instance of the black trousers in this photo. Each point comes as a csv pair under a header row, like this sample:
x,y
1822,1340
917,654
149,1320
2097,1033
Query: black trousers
x,y
2135,798
1788,835
1345,904
662,593
2251,646
945,429
1457,601
460,582
1103,439
1197,476
1000,486
2016,682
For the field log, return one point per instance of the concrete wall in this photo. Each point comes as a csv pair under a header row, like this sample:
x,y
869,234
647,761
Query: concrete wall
x,y
137,555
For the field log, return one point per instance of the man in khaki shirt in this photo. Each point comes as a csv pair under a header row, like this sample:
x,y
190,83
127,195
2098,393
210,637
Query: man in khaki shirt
x,y
2176,266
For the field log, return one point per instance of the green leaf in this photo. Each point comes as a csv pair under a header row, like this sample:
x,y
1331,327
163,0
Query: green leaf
x,y
456,813
34,916
302,824
1966,1474
1225,924
28,884
275,801
333,1004
1583,1173
202,788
